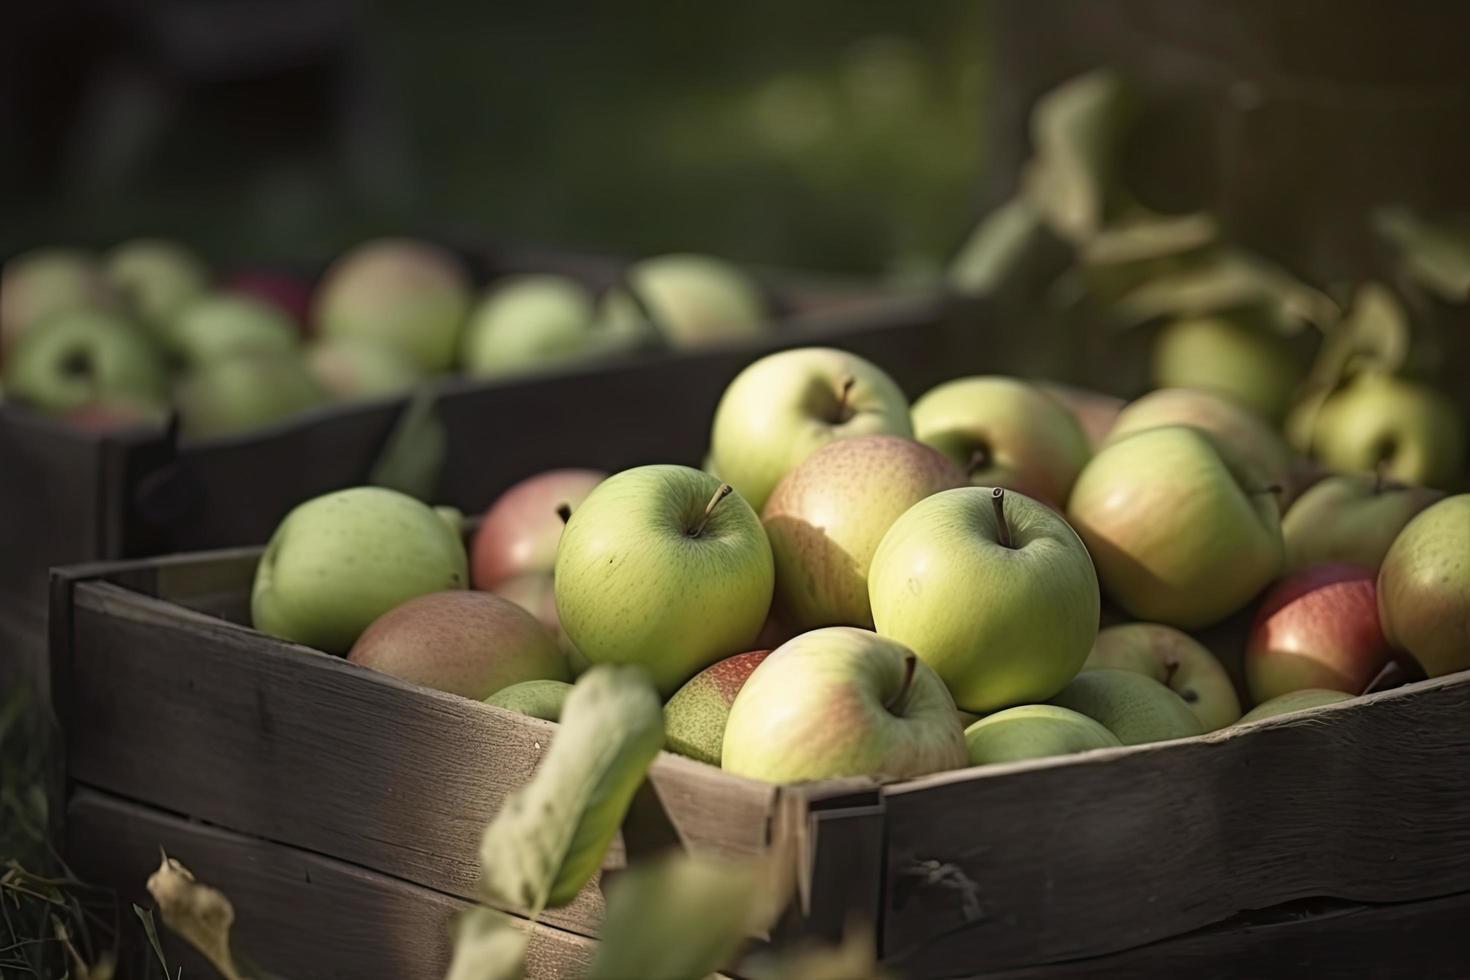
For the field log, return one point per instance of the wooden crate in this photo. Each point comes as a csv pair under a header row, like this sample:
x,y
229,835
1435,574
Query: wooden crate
x,y
1336,840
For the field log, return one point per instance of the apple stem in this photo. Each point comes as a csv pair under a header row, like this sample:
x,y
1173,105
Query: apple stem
x,y
724,491
1170,669
564,511
1002,527
981,458
910,664
843,411
1274,489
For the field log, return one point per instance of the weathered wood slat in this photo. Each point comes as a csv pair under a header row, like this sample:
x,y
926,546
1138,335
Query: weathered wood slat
x,y
297,914
1367,800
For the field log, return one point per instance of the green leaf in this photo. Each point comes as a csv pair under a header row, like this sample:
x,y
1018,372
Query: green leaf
x,y
549,838
855,958
488,945
198,913
997,248
1150,236
1077,131
413,456
1227,279
150,930
1435,255
1373,335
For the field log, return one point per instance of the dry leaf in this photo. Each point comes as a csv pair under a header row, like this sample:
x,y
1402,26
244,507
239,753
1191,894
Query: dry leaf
x,y
198,913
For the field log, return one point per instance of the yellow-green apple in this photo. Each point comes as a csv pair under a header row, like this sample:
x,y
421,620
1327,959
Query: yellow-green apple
x,y
1006,433
1403,430
666,568
694,718
243,392
1349,518
1243,434
520,530
1285,704
83,356
1093,410
785,406
991,589
42,283
1250,362
1317,628
842,701
409,295
1135,708
1174,659
693,300
462,642
216,326
826,517
537,699
154,278
1424,587
351,367
1180,533
1034,731
528,322
339,561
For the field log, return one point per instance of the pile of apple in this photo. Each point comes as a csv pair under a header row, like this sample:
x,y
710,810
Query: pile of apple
x,y
857,586
121,339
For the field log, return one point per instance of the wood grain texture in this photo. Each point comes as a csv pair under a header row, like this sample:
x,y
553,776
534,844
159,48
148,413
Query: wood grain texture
x,y
297,914
1366,800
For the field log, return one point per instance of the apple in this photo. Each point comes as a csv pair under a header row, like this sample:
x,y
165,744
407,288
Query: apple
x,y
1285,704
1349,518
85,356
113,416
40,284
528,322
1402,430
1135,708
826,517
1249,362
1174,659
408,295
1093,410
694,718
288,293
1005,433
460,642
693,300
244,392
216,326
351,367
1243,435
155,278
536,699
991,589
785,406
1424,587
1317,628
1034,731
842,701
666,568
1181,534
521,529
339,561
535,592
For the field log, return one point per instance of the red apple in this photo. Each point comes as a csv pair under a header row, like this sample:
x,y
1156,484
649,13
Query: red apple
x,y
694,718
521,529
289,293
1317,628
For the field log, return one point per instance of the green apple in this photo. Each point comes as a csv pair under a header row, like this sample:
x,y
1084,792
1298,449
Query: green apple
x,y
694,300
1402,430
244,392
1034,731
1135,708
1174,659
461,642
663,567
338,562
408,295
352,367
39,284
694,718
216,326
1349,518
85,356
1424,588
527,323
537,699
785,406
1005,433
1285,704
991,589
826,517
1234,355
1243,434
842,701
1181,534
155,279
